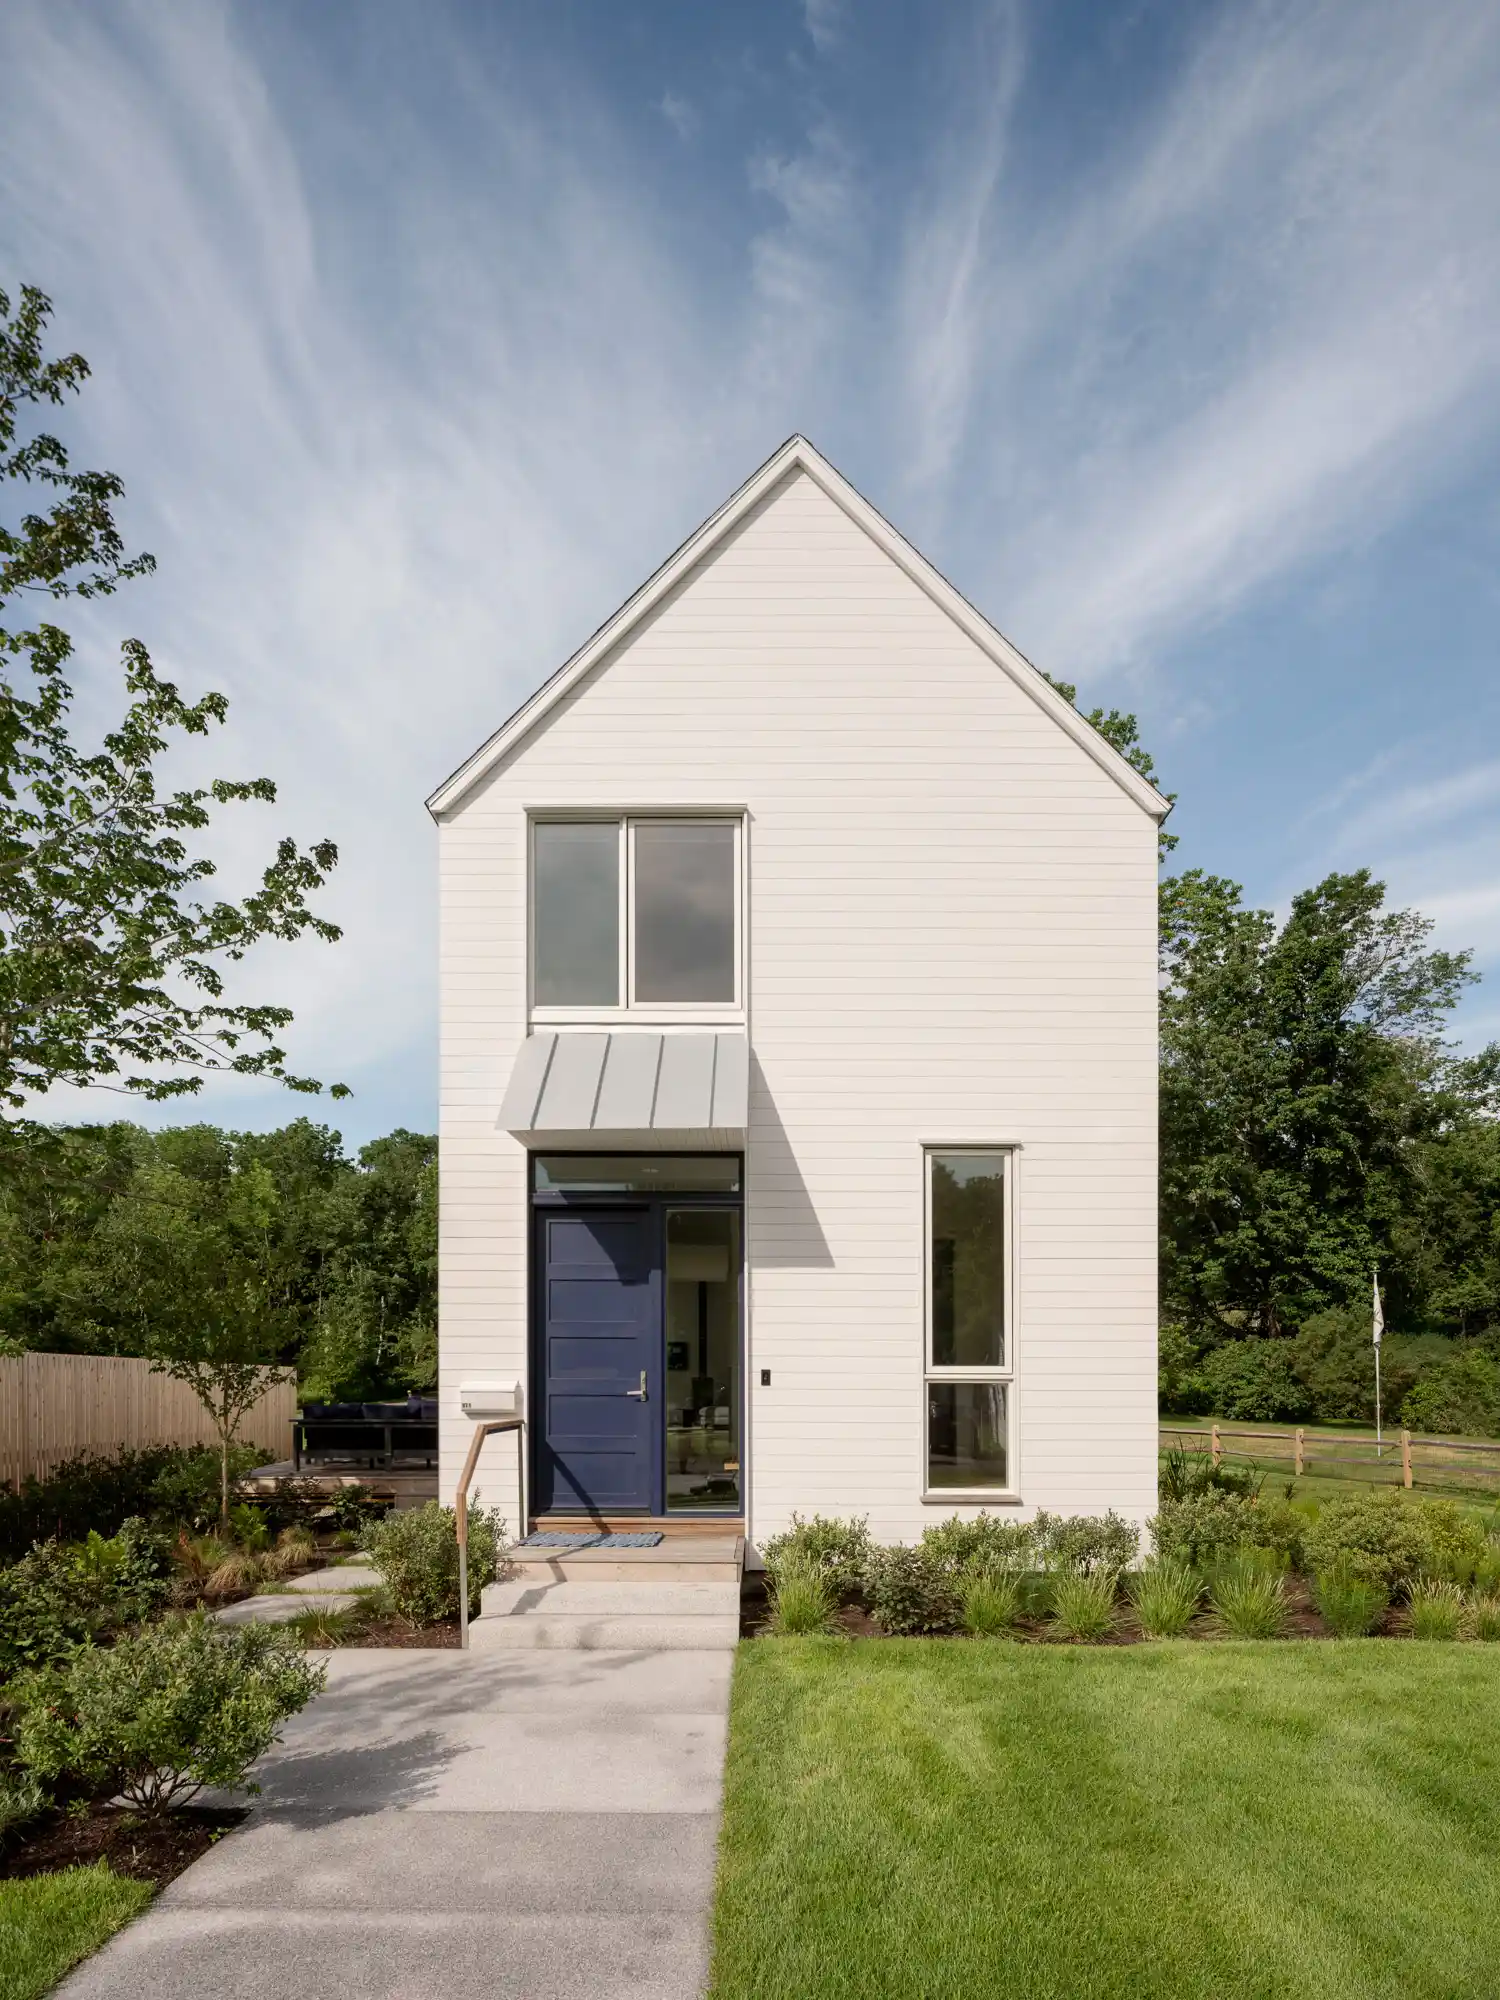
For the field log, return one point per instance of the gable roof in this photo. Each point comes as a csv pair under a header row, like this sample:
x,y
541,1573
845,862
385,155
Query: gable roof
x,y
799,454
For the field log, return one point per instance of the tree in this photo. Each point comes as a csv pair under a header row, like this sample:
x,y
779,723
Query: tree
x,y
202,1269
111,967
1302,1067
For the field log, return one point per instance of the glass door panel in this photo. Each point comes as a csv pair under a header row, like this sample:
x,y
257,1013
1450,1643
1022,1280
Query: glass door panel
x,y
703,1360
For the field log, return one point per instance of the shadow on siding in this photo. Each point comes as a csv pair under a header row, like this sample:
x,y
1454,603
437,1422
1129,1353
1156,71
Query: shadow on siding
x,y
783,1228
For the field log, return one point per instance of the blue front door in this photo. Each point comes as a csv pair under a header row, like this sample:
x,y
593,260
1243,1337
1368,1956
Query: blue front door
x,y
601,1345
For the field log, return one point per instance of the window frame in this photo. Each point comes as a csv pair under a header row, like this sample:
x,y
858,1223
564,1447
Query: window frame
x,y
1008,1373
626,1008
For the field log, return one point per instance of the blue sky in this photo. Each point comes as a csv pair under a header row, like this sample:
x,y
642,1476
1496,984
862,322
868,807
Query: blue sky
x,y
1170,332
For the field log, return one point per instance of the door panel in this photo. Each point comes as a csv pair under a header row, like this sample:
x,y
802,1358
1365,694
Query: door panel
x,y
601,1334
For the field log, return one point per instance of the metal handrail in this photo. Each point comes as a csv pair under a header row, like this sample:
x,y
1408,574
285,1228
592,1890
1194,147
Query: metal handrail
x,y
461,1505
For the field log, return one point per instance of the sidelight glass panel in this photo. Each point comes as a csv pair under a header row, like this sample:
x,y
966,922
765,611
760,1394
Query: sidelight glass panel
x,y
703,1360
684,911
575,892
966,1435
967,1260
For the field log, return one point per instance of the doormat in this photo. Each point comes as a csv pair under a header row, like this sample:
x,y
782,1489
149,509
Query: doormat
x,y
554,1538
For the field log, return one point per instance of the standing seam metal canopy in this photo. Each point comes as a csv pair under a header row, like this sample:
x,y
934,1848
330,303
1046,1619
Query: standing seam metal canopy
x,y
583,1081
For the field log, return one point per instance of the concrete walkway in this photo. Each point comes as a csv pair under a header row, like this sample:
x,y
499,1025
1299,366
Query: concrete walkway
x,y
440,1825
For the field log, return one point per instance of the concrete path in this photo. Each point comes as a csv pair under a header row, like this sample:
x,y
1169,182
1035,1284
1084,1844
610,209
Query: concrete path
x,y
335,1589
439,1825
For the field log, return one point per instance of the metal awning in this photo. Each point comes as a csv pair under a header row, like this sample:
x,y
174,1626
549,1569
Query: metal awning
x,y
685,1088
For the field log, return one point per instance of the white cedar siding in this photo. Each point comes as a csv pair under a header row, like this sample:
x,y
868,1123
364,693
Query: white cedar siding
x,y
952,938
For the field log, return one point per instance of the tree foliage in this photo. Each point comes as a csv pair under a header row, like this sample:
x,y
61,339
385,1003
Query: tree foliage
x,y
1315,1126
313,1259
111,959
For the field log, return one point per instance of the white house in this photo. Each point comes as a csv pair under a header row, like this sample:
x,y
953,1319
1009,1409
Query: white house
x,y
799,1054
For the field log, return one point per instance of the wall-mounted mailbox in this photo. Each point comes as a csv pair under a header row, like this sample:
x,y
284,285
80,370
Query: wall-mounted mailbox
x,y
492,1399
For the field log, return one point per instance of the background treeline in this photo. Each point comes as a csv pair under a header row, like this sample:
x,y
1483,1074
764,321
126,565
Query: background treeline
x,y
109,1230
1316,1127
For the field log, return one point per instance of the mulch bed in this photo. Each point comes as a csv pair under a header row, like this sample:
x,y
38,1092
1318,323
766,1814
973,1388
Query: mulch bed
x,y
151,1850
396,1632
855,1622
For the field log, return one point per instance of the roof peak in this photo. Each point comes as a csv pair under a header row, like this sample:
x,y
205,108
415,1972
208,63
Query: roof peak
x,y
799,448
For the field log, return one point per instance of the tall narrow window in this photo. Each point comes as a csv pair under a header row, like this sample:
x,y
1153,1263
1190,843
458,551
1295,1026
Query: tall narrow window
x,y
575,920
969,1368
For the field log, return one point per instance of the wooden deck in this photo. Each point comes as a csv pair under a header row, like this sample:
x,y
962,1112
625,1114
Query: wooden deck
x,y
405,1485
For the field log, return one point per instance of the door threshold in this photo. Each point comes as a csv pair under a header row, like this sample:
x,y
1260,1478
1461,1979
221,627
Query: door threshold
x,y
626,1524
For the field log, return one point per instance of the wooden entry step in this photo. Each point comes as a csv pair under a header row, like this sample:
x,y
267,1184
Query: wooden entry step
x,y
673,1526
676,1558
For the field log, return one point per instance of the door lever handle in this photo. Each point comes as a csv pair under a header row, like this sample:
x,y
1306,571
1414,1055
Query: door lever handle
x,y
639,1394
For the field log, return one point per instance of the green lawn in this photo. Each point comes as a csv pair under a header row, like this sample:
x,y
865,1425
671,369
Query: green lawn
x,y
49,1922
957,1819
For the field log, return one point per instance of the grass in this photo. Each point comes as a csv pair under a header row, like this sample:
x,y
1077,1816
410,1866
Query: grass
x,y
942,1820
49,1922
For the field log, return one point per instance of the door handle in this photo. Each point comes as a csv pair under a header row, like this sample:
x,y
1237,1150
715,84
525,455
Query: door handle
x,y
639,1394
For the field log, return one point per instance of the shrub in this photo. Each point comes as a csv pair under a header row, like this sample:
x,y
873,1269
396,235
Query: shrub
x,y
981,1544
1437,1609
185,1489
909,1591
1335,1362
1378,1536
1184,1473
1484,1608
1278,1526
1254,1381
989,1601
1165,1595
56,1597
802,1595
1083,1603
237,1571
416,1551
354,1507
1202,1528
320,1627
248,1526
1457,1545
94,1493
1179,1386
1248,1597
841,1550
1086,1542
1461,1396
164,1711
21,1800
1350,1604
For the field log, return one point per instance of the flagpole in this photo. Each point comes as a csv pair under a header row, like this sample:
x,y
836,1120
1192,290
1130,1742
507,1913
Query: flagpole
x,y
1377,1328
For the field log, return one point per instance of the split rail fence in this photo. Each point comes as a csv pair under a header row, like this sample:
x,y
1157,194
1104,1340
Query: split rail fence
x,y
1399,1460
54,1407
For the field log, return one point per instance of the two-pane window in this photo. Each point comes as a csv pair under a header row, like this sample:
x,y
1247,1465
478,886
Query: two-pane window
x,y
634,912
969,1372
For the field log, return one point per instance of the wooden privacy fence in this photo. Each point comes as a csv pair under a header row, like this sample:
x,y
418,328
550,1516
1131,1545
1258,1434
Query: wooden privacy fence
x,y
55,1407
1397,1461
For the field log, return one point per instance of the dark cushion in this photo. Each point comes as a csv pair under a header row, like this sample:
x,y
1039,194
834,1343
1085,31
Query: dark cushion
x,y
383,1413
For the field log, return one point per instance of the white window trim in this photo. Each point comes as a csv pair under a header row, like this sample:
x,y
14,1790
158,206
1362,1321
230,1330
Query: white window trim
x,y
1009,1373
634,1013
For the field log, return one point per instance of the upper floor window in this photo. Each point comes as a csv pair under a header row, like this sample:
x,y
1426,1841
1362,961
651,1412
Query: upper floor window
x,y
635,912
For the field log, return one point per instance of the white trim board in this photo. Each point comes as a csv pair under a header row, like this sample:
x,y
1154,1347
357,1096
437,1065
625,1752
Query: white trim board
x,y
797,454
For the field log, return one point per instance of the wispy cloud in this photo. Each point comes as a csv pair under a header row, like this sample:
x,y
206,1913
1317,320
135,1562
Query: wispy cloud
x,y
826,21
413,373
681,116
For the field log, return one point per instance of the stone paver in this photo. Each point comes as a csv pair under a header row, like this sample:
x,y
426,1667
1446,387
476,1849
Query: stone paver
x,y
440,1825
